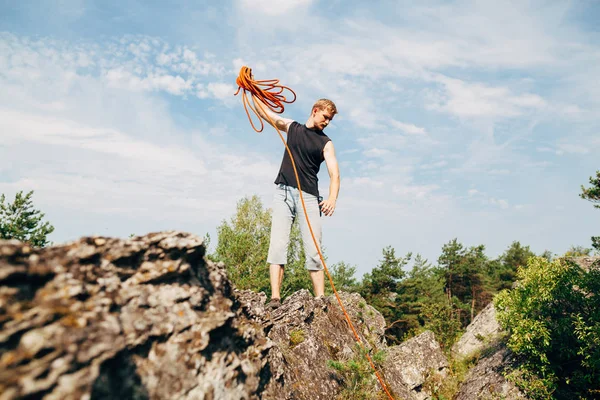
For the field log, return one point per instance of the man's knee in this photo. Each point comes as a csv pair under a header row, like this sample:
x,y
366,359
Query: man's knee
x,y
279,243
313,262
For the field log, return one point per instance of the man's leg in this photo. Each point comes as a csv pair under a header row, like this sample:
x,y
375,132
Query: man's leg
x,y
281,225
313,261
276,275
318,280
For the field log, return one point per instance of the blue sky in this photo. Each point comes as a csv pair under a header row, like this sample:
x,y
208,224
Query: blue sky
x,y
472,119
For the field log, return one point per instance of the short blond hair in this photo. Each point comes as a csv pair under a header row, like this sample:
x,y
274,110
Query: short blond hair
x,y
325,104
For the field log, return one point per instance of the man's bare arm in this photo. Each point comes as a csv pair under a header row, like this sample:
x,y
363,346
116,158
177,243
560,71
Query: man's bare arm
x,y
277,120
328,206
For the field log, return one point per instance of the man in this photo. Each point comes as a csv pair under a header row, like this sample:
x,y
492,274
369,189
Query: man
x,y
309,147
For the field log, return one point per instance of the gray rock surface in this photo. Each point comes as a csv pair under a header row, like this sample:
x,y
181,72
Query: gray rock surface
x,y
141,318
588,262
410,363
307,333
481,331
486,379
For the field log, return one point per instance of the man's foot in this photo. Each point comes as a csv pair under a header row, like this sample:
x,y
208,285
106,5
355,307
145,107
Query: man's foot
x,y
274,303
322,299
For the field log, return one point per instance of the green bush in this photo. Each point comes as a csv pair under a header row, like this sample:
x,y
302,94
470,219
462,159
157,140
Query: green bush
x,y
446,387
553,318
359,380
442,320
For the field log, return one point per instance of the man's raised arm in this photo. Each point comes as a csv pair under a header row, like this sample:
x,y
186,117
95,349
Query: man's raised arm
x,y
328,206
275,119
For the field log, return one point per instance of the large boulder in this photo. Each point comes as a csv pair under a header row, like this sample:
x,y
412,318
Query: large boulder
x,y
142,318
412,362
485,340
486,379
307,334
481,331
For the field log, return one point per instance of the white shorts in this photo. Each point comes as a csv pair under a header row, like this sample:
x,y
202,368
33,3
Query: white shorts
x,y
286,207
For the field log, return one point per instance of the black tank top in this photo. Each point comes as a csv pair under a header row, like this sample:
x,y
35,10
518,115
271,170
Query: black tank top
x,y
306,146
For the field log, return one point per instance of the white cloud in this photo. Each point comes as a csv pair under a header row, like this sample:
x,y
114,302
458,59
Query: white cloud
x,y
435,165
362,182
349,151
126,64
491,34
175,85
545,150
572,145
503,204
499,172
59,132
119,77
414,192
221,91
388,141
238,63
201,91
408,128
164,59
480,100
113,150
482,198
572,148
376,152
468,35
273,8
362,115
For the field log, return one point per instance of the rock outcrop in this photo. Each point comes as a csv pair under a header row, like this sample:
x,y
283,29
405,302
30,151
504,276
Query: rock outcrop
x,y
481,331
140,318
151,318
411,362
307,333
588,262
486,379
483,338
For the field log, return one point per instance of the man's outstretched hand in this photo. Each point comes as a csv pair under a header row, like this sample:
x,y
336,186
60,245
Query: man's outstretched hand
x,y
327,207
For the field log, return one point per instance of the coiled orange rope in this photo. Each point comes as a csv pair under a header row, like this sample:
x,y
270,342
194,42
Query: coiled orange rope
x,y
271,94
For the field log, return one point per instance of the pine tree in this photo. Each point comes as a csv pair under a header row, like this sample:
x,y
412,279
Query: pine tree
x,y
593,194
464,271
423,286
502,272
343,278
450,259
19,220
379,288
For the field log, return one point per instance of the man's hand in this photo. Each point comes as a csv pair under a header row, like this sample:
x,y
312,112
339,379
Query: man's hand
x,y
276,120
328,207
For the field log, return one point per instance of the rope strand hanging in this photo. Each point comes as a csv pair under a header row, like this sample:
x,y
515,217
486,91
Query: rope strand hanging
x,y
270,93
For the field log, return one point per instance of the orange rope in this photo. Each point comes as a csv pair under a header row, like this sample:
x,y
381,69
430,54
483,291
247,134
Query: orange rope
x,y
270,93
